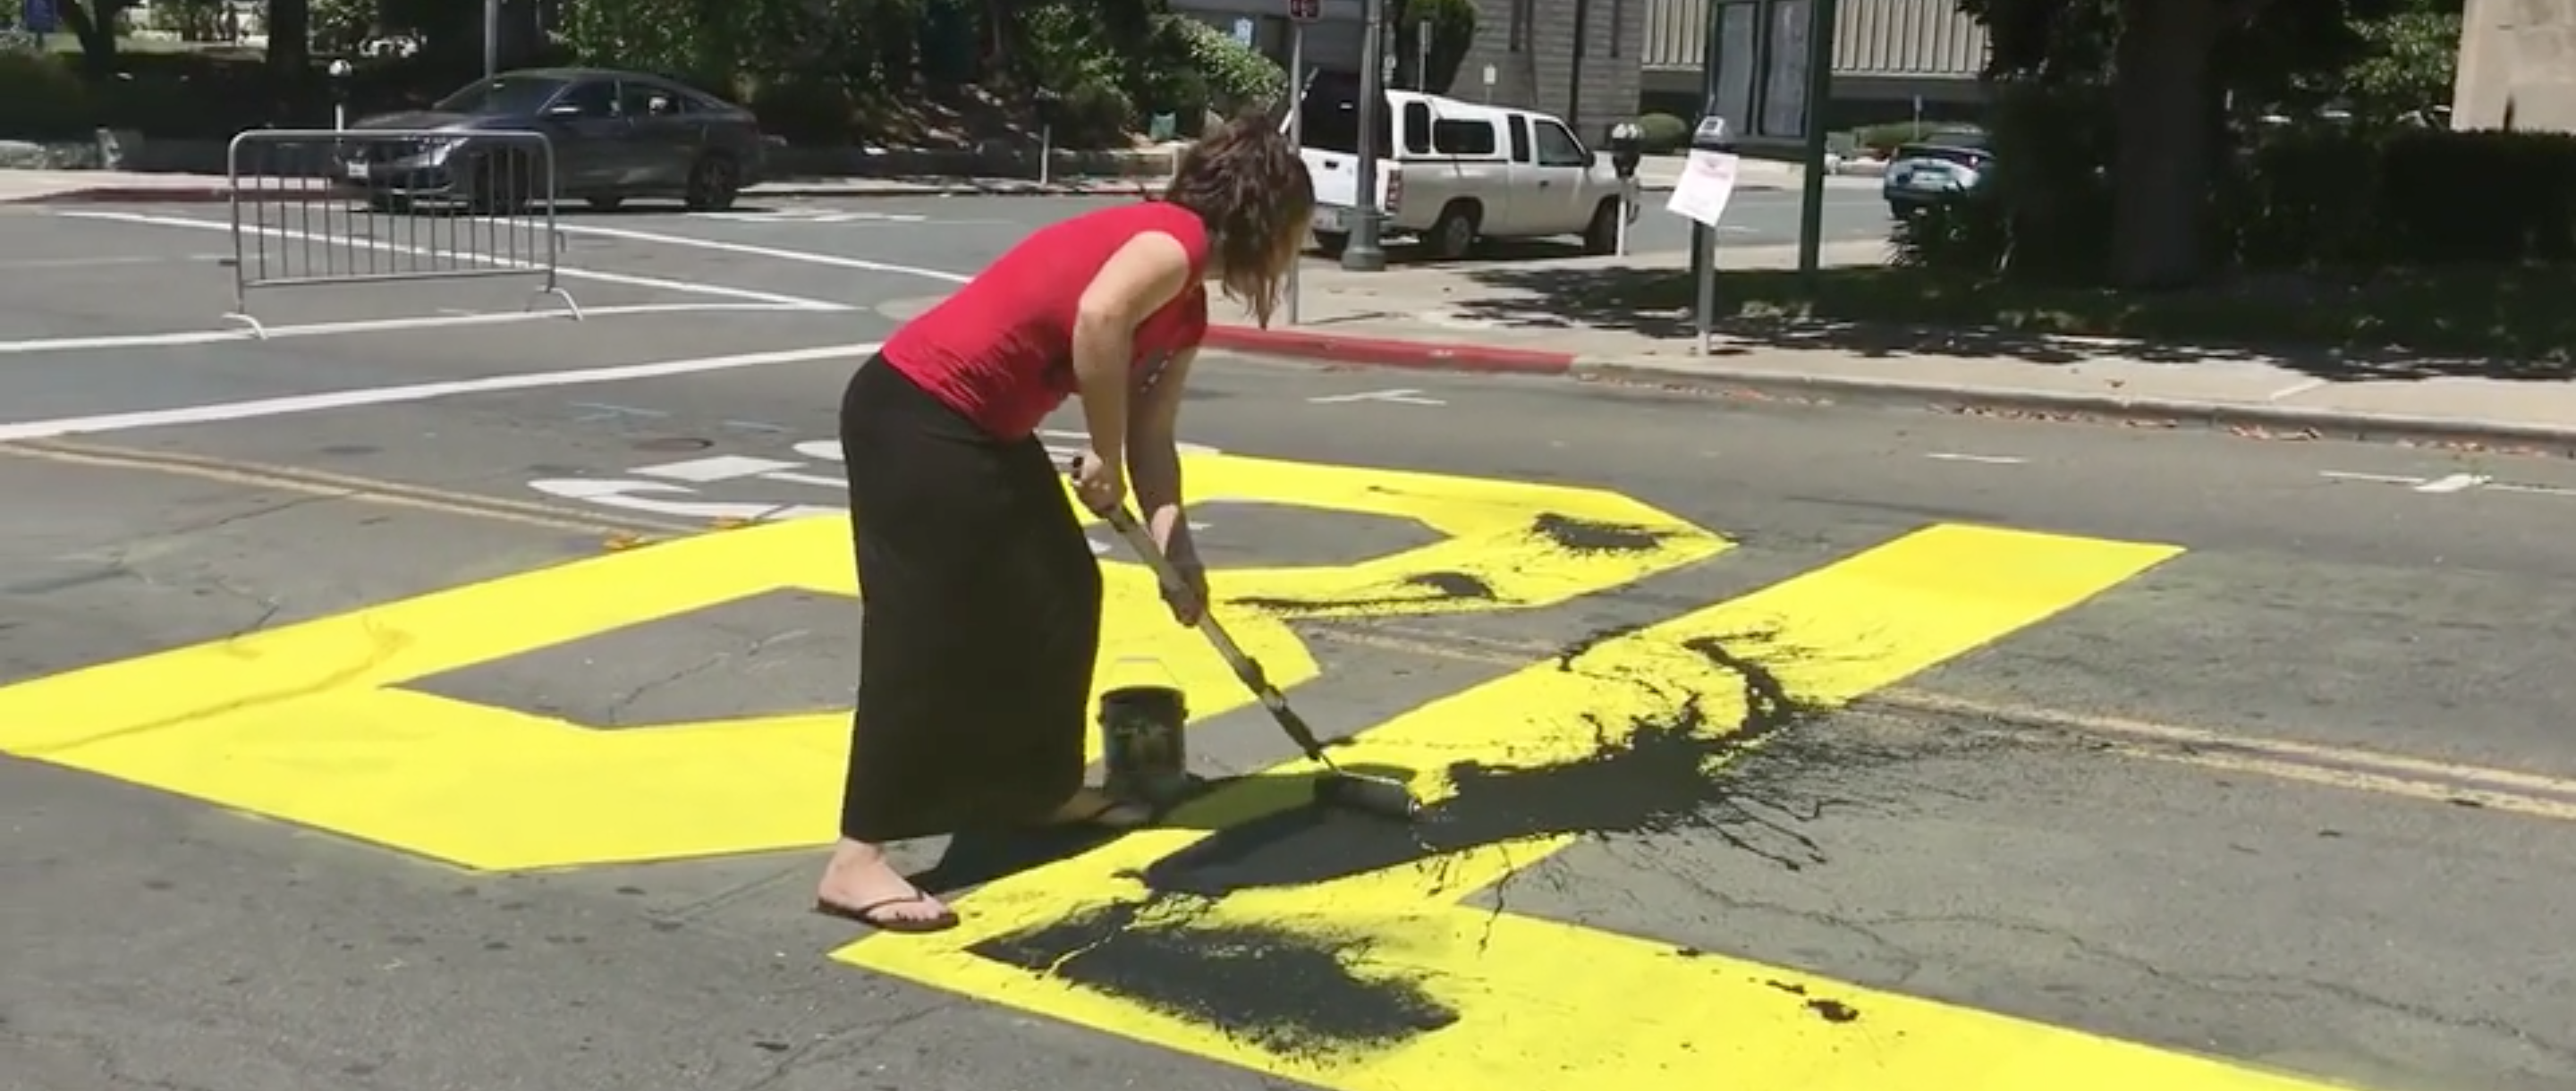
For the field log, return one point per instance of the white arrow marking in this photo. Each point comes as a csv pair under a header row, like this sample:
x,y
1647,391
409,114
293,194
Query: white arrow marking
x,y
701,471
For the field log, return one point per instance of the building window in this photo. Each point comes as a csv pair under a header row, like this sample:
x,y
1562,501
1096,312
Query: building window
x,y
1618,24
1518,38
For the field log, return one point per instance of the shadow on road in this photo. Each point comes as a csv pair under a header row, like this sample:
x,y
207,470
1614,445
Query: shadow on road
x,y
2403,325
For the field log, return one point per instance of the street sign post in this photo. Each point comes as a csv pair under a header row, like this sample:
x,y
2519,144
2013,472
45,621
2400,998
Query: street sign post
x,y
1300,13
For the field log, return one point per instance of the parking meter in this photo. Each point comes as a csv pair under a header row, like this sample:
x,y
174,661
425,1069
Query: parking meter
x,y
1050,105
1712,134
339,71
1627,149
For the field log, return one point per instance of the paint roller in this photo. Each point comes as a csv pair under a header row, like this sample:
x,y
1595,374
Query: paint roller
x,y
1380,796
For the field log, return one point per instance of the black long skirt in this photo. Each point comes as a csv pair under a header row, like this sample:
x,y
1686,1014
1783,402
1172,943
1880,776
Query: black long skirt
x,y
981,622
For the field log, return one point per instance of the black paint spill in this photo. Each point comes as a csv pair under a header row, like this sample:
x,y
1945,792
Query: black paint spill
x,y
1593,536
1663,777
1285,992
1833,1011
1456,585
1444,586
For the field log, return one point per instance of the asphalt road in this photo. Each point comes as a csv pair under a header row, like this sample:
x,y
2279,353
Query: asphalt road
x,y
2224,748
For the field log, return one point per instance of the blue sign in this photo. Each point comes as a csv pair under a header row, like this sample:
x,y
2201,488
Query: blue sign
x,y
38,17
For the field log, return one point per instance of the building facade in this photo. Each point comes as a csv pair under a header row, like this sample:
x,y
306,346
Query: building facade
x,y
1600,62
2517,66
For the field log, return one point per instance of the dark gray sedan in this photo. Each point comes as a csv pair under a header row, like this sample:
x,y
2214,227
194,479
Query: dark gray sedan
x,y
614,136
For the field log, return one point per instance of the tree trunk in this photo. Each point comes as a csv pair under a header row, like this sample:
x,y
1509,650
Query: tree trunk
x,y
94,23
2161,92
290,40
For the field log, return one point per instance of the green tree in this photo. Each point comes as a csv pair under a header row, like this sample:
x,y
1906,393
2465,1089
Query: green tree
x,y
2171,66
1453,31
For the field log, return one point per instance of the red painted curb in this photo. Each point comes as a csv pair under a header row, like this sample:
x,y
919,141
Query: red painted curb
x,y
1388,352
127,195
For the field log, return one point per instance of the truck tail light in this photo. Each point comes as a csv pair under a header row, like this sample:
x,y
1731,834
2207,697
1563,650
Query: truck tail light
x,y
1394,187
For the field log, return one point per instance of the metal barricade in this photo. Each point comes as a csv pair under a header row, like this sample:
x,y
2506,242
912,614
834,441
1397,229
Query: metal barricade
x,y
324,206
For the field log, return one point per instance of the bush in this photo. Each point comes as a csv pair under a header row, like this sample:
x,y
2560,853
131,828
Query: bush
x,y
1663,133
41,98
2364,198
1238,77
805,112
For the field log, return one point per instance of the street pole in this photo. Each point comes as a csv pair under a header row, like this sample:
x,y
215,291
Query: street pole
x,y
1362,253
1820,90
1296,133
491,37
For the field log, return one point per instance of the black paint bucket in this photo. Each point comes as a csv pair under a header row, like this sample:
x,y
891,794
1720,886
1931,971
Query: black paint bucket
x,y
1140,737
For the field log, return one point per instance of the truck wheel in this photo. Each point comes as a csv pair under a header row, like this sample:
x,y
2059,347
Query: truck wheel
x,y
1454,233
1332,242
1601,236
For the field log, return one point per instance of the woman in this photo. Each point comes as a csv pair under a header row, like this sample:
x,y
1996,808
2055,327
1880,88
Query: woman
x,y
982,596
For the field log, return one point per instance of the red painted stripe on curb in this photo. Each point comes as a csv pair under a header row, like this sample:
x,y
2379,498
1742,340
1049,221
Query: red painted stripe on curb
x,y
1388,352
126,195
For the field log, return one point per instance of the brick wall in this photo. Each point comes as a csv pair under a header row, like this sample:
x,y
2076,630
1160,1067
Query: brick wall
x,y
1539,71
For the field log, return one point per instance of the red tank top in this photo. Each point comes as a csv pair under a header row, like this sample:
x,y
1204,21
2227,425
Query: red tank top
x,y
1000,351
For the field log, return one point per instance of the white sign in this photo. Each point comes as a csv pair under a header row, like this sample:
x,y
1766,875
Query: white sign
x,y
1490,75
1243,32
1706,185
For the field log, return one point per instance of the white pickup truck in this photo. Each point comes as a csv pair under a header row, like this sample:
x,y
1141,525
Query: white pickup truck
x,y
1451,172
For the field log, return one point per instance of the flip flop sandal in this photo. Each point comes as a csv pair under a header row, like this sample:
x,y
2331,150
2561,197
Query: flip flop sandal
x,y
1099,817
869,914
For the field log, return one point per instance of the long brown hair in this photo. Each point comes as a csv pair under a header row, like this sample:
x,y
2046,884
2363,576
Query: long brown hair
x,y
1247,185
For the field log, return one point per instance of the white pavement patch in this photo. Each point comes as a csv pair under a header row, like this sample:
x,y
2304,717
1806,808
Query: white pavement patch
x,y
369,325
681,286
1982,460
811,216
777,253
680,490
257,408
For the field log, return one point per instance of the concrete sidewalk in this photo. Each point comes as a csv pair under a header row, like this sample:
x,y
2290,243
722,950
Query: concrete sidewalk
x,y
1451,318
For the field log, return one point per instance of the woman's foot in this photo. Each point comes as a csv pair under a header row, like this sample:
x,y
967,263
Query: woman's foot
x,y
1093,807
861,885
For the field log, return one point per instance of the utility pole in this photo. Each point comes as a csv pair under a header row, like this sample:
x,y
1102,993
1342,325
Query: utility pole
x,y
1362,252
491,37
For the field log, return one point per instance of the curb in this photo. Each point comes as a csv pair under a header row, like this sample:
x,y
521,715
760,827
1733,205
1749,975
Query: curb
x,y
1388,352
2322,423
126,195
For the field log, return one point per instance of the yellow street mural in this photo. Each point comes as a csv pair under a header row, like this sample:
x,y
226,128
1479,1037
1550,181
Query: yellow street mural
x,y
312,723
1335,950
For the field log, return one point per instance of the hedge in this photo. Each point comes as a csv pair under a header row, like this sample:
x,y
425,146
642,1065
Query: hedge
x,y
2300,200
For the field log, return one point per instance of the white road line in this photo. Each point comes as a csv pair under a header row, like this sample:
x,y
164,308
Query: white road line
x,y
1405,396
685,287
779,253
1984,460
701,471
2377,479
367,325
256,408
2530,490
2453,483
817,480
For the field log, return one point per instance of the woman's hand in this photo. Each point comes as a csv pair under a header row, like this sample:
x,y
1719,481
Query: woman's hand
x,y
1189,599
1100,483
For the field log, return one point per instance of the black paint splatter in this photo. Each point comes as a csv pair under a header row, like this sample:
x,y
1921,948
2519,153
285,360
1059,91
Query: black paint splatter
x,y
1593,536
1286,992
1444,586
1833,1011
1658,779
